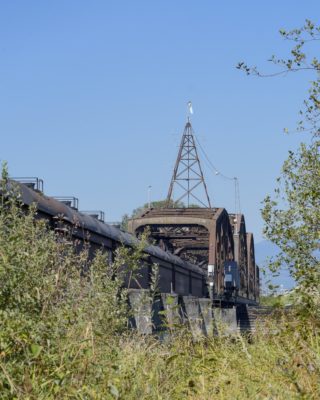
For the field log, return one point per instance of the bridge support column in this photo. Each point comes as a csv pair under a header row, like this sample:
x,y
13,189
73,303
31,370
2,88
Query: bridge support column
x,y
193,316
141,309
171,308
206,312
226,320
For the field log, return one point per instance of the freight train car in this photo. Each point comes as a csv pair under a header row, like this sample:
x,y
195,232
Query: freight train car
x,y
176,275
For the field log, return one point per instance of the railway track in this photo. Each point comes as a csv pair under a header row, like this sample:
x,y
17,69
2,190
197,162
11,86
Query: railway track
x,y
249,316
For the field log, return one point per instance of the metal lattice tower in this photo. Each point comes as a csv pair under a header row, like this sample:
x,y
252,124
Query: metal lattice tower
x,y
187,173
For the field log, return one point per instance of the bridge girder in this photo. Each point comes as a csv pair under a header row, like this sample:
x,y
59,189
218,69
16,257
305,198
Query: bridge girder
x,y
202,236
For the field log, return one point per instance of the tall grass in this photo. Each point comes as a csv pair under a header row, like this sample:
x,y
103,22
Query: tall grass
x,y
63,333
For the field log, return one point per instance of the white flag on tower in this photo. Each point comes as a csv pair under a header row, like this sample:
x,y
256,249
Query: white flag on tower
x,y
190,107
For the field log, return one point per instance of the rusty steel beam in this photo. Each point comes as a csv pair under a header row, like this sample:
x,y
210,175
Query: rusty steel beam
x,y
211,241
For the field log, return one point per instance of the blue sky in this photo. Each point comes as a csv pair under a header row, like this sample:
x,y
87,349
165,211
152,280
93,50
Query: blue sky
x,y
93,96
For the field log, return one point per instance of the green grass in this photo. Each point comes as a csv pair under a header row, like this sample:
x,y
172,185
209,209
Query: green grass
x,y
278,365
281,300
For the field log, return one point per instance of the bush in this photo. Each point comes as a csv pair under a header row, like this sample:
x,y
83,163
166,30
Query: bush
x,y
53,308
63,332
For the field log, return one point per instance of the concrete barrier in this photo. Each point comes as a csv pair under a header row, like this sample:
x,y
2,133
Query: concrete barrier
x,y
207,316
141,310
193,315
171,310
225,320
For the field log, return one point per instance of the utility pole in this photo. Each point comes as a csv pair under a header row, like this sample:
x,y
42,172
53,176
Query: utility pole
x,y
149,196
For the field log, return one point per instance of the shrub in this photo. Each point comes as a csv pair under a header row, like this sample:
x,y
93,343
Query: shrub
x,y
63,332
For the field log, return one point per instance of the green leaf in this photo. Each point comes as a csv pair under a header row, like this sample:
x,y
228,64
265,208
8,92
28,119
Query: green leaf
x,y
35,350
170,300
171,358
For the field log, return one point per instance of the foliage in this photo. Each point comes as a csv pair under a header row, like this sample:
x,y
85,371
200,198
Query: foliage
x,y
63,331
53,308
296,228
154,204
299,60
279,300
157,204
282,365
292,217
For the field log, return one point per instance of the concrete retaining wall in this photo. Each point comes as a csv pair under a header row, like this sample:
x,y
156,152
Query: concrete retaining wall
x,y
169,311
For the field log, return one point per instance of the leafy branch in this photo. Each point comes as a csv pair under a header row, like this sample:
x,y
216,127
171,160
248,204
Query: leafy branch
x,y
299,61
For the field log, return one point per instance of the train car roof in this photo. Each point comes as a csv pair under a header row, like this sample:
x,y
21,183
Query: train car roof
x,y
51,206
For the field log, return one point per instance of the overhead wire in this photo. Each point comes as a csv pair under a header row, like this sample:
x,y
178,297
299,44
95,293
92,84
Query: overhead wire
x,y
237,204
215,170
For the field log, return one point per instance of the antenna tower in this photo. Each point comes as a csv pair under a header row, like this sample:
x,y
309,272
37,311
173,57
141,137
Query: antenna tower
x,y
187,173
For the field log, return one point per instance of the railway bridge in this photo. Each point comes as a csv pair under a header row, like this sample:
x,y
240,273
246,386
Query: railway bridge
x,y
198,247
205,236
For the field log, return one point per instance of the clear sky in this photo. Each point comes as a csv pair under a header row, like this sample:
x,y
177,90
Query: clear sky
x,y
93,96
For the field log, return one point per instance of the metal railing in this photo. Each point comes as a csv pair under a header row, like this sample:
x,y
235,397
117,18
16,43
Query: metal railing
x,y
33,183
97,214
70,201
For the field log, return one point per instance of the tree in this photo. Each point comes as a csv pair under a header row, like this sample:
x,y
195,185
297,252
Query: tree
x,y
307,35
157,204
154,204
292,215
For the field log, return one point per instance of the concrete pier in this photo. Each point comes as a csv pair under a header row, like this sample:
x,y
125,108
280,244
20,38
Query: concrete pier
x,y
193,316
169,311
207,316
141,309
225,320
